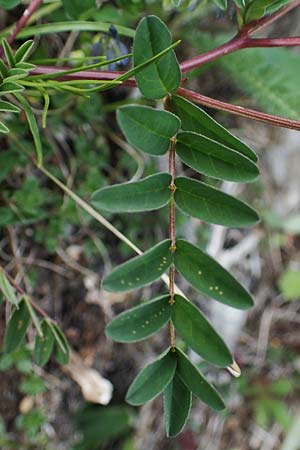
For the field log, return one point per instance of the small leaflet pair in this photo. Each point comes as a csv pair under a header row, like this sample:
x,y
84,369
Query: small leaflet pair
x,y
208,148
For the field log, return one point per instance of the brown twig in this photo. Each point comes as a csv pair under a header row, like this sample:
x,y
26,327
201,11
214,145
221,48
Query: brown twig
x,y
22,292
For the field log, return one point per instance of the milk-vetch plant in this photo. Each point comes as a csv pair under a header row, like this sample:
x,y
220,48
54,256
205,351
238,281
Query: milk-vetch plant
x,y
185,130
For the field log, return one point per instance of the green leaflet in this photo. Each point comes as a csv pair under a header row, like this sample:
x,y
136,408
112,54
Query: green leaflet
x,y
156,81
44,344
195,382
209,277
198,333
211,205
195,119
23,52
3,128
214,159
177,406
145,195
16,328
148,129
8,107
33,127
140,322
222,4
153,379
61,346
141,270
7,289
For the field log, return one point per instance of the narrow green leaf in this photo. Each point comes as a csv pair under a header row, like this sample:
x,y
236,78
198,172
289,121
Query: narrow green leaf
x,y
33,315
156,81
195,119
16,328
140,322
177,406
195,382
214,159
7,289
23,51
8,53
15,74
9,4
3,128
10,88
3,69
153,379
8,107
33,127
73,25
145,195
148,129
209,277
25,66
44,345
62,349
198,333
222,4
141,270
211,205
75,8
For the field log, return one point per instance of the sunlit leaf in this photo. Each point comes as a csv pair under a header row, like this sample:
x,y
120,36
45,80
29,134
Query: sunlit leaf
x,y
148,129
209,277
153,379
145,195
7,289
141,270
204,202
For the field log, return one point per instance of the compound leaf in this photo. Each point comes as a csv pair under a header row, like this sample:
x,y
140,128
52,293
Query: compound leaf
x,y
195,382
16,328
198,333
148,129
145,195
177,406
44,344
214,159
153,379
164,76
140,322
141,270
209,277
195,119
211,205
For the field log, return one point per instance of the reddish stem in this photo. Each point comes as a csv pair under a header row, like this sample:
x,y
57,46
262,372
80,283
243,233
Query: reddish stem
x,y
22,21
240,110
22,292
